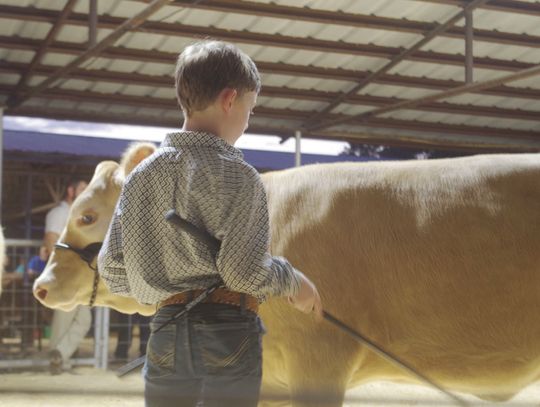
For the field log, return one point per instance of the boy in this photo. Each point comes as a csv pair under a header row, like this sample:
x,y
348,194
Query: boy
x,y
213,355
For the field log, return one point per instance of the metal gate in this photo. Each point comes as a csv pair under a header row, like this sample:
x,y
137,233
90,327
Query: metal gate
x,y
25,324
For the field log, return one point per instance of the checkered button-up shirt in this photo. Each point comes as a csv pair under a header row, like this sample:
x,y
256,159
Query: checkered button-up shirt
x,y
208,183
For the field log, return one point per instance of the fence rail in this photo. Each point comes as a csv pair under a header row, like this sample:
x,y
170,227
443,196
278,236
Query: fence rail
x,y
25,325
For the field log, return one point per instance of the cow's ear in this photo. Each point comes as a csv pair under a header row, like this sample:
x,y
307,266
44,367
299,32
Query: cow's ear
x,y
134,154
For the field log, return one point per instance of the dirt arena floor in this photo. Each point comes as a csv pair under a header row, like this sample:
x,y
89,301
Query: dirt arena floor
x,y
86,387
89,387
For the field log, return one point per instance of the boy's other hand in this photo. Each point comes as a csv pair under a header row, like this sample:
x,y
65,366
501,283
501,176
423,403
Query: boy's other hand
x,y
307,299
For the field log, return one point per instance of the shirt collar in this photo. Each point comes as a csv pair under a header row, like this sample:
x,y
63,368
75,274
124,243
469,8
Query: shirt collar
x,y
200,138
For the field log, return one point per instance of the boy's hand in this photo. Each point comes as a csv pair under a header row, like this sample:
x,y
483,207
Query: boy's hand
x,y
308,299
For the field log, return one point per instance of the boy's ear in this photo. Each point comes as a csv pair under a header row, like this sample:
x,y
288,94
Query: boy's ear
x,y
227,98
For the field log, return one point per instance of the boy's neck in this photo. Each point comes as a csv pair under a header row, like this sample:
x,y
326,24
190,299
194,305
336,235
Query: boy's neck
x,y
207,124
190,125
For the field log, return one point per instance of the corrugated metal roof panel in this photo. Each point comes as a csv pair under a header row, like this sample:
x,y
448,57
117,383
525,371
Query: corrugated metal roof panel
x,y
148,41
505,22
151,68
379,37
498,101
420,69
75,84
395,91
118,8
433,117
396,9
283,103
273,122
121,110
9,79
10,27
52,58
165,93
352,109
518,104
16,56
36,30
485,49
108,88
532,82
28,3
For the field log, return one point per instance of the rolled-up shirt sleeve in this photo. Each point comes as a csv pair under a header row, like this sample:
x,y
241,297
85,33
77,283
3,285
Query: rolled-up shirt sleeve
x,y
111,265
244,261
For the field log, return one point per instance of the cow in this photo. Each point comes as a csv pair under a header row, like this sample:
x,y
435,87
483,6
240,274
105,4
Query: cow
x,y
436,261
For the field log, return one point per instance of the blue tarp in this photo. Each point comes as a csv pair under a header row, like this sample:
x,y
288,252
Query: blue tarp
x,y
44,146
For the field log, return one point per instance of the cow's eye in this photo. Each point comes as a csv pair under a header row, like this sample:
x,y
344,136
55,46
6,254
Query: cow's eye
x,y
87,219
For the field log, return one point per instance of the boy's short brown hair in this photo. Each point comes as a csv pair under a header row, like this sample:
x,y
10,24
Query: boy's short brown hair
x,y
205,68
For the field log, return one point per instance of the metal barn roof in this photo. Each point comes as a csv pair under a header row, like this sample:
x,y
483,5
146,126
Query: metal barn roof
x,y
387,71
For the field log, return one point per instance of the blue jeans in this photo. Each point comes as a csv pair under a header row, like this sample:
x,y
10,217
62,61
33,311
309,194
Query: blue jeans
x,y
211,356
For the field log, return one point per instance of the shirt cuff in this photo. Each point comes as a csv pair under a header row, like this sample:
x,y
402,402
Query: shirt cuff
x,y
288,278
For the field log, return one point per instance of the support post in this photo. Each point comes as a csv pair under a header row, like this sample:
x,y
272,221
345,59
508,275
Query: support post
x,y
92,24
298,152
28,209
1,157
469,46
101,337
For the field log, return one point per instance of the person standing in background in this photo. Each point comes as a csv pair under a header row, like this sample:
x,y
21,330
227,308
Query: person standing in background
x,y
68,328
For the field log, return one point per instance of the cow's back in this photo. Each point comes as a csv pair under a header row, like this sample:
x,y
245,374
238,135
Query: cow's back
x,y
437,261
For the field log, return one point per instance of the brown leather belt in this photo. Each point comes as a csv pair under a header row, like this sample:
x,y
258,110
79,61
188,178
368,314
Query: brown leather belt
x,y
218,296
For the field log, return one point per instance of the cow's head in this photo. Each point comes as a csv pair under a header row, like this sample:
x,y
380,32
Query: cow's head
x,y
68,280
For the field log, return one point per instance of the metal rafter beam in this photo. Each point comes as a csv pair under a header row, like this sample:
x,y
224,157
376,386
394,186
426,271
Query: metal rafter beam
x,y
413,125
394,61
469,37
285,114
428,143
265,67
288,93
164,81
379,101
411,104
310,44
51,35
126,26
506,6
318,16
359,137
92,23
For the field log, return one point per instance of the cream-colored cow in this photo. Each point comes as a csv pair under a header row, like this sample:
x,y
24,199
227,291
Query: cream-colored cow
x,y
436,261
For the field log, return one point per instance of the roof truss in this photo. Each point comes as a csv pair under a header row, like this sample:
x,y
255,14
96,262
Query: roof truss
x,y
144,23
